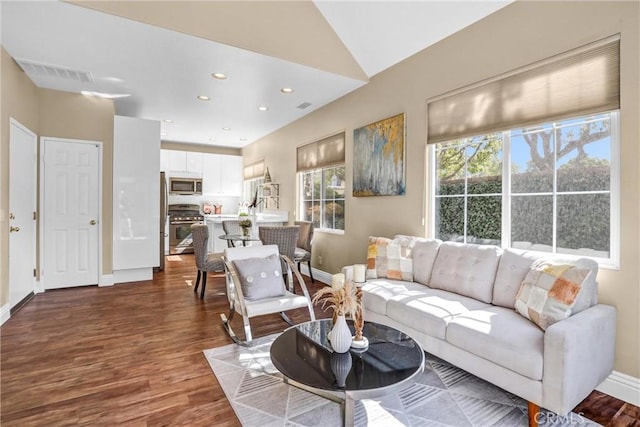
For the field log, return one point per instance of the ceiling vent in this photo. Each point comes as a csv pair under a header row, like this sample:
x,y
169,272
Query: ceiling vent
x,y
37,69
304,105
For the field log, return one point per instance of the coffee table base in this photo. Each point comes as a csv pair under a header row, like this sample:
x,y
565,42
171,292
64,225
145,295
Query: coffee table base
x,y
347,404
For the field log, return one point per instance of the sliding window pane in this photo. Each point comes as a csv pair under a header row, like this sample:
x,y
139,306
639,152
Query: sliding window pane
x,y
584,156
484,165
450,168
583,224
532,223
484,220
449,219
532,160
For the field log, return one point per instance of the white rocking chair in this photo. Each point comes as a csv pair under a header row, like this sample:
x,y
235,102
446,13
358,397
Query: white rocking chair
x,y
248,308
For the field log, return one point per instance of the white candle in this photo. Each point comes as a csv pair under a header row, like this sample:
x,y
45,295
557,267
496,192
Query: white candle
x,y
337,281
358,273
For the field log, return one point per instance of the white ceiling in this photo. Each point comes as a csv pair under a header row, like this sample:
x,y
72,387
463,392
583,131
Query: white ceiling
x,y
164,70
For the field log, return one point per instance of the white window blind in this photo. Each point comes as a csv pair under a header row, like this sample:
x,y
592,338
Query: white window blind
x,y
323,153
579,82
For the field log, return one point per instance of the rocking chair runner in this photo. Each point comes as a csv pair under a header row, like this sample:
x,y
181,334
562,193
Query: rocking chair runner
x,y
248,308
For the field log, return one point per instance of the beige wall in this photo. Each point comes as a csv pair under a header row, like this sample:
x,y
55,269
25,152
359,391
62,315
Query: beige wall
x,y
20,101
519,34
75,116
200,148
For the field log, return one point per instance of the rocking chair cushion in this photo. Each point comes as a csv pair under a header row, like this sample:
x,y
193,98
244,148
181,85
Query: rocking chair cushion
x,y
260,278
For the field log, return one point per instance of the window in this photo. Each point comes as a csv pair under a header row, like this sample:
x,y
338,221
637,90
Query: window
x,y
322,197
548,188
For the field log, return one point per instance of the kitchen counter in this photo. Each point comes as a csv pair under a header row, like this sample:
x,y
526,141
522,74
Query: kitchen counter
x,y
214,222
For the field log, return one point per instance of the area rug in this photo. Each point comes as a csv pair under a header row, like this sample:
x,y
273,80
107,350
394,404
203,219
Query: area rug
x,y
442,396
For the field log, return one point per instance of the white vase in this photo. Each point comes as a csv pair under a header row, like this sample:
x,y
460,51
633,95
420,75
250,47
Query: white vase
x,y
340,336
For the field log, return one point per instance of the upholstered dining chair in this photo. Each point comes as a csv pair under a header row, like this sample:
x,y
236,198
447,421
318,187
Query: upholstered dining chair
x,y
231,226
285,237
256,286
205,262
303,246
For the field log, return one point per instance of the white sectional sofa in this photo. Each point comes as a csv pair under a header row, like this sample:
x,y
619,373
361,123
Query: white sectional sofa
x,y
460,307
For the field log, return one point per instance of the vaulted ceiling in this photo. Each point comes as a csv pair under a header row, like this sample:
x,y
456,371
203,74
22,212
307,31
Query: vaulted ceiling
x,y
162,54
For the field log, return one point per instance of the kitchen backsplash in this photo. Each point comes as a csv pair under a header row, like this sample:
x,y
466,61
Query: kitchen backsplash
x,y
229,204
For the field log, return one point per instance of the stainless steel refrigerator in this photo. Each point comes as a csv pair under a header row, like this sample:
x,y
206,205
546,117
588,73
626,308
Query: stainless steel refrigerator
x,y
163,217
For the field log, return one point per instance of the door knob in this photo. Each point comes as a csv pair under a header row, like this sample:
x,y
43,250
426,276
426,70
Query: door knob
x,y
14,229
92,222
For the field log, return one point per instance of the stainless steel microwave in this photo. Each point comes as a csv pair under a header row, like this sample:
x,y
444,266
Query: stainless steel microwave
x,y
185,186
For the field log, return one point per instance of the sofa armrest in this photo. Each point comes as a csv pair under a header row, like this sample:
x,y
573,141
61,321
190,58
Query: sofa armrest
x,y
578,356
348,272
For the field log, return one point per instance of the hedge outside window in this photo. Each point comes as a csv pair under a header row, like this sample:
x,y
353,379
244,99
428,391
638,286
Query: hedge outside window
x,y
322,197
544,188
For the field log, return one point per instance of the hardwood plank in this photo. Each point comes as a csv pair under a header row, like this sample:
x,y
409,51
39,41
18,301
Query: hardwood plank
x,y
131,354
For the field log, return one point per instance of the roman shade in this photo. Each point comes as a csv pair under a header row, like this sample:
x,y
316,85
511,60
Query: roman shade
x,y
582,81
325,152
254,170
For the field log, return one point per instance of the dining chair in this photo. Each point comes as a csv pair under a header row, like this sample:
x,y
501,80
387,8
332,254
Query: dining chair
x,y
257,286
231,226
205,262
285,237
303,246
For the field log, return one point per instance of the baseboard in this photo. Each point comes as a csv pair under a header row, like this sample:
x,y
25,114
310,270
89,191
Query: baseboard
x,y
5,313
106,280
622,386
319,275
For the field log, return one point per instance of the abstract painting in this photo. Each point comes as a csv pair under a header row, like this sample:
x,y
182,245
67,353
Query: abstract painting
x,y
378,152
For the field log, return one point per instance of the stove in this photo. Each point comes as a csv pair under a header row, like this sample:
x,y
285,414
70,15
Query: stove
x,y
181,216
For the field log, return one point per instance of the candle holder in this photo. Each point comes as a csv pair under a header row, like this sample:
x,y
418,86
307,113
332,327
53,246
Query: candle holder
x,y
359,341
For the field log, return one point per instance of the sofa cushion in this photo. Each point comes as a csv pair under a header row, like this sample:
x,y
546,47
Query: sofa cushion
x,y
549,292
588,295
390,258
513,267
466,269
377,257
429,310
501,336
377,292
424,255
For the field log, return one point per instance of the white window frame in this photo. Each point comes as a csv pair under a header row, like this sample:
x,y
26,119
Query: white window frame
x,y
301,200
612,262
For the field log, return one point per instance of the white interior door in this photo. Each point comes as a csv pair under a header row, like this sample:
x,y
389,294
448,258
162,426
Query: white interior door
x,y
22,206
71,213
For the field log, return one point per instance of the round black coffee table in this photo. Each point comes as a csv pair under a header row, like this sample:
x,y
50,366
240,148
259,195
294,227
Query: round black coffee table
x,y
303,354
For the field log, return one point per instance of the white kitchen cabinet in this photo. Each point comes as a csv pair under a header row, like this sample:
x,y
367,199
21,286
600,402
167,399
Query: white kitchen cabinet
x,y
194,162
211,174
222,175
186,162
177,161
231,175
136,198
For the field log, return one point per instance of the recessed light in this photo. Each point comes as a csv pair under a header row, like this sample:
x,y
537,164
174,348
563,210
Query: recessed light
x,y
286,90
263,108
212,140
163,134
243,139
204,98
226,128
168,121
219,76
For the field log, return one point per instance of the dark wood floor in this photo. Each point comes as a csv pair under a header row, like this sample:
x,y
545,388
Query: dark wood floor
x,y
131,354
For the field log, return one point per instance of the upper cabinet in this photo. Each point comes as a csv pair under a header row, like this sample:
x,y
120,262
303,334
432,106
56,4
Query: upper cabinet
x,y
221,174
187,162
